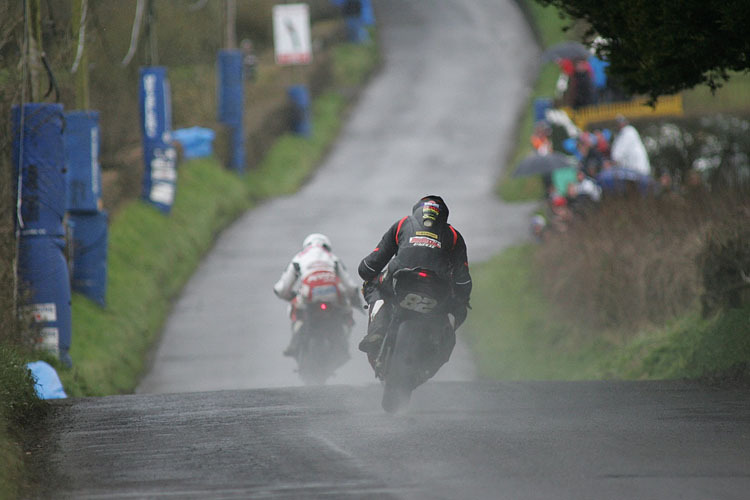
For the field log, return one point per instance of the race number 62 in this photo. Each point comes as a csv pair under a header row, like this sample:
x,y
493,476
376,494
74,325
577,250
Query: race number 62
x,y
415,302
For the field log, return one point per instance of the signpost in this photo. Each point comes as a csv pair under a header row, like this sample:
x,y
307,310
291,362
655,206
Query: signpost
x,y
291,34
292,46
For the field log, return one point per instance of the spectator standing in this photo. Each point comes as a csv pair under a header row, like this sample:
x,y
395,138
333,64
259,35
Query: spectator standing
x,y
628,150
249,60
592,160
540,138
582,84
583,195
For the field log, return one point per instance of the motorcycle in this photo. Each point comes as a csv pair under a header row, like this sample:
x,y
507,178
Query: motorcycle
x,y
324,336
420,337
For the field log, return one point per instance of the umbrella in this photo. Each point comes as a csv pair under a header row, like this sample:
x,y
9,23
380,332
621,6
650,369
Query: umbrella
x,y
536,164
566,50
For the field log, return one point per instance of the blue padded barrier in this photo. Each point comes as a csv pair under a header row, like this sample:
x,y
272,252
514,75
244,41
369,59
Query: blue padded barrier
x,y
39,152
45,290
90,255
231,95
300,99
83,173
159,155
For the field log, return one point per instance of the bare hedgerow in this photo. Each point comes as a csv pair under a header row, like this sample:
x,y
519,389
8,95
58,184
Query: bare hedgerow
x,y
724,261
632,262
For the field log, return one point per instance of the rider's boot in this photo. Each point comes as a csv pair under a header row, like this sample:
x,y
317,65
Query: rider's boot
x,y
376,328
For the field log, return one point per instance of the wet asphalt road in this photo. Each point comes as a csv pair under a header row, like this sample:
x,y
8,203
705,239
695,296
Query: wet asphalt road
x,y
439,119
459,440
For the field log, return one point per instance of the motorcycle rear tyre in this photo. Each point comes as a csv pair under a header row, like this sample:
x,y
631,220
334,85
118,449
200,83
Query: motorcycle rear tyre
x,y
402,367
313,369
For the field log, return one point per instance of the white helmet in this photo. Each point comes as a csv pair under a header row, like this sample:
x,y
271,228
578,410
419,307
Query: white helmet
x,y
317,239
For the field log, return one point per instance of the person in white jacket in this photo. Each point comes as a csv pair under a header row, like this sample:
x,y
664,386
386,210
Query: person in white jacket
x,y
315,274
628,150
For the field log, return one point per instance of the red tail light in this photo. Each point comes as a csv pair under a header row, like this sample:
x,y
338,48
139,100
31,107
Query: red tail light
x,y
422,274
323,307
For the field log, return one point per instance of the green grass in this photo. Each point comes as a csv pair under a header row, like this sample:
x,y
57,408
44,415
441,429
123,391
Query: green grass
x,y
150,257
692,347
515,335
511,330
355,62
732,97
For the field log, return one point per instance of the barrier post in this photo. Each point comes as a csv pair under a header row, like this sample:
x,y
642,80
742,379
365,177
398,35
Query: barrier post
x,y
231,104
159,155
38,156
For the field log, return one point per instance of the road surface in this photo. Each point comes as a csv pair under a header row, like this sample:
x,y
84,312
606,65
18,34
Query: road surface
x,y
460,440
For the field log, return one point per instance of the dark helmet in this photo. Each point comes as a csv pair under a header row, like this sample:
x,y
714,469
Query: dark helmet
x,y
431,210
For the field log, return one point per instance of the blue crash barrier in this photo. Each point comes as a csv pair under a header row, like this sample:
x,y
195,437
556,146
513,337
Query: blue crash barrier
x,y
231,104
45,291
83,173
159,155
47,384
196,141
39,152
237,160
90,255
231,87
300,100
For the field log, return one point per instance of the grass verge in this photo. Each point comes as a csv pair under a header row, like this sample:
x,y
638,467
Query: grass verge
x,y
515,335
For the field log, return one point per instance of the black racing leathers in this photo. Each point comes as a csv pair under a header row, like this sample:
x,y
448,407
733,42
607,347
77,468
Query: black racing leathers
x,y
408,244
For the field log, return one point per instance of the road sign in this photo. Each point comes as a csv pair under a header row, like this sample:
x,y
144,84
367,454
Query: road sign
x,y
291,33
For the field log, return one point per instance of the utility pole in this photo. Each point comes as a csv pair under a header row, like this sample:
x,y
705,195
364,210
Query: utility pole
x,y
82,67
152,53
231,30
34,49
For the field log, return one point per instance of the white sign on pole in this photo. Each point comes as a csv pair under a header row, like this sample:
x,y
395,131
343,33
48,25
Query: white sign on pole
x,y
291,33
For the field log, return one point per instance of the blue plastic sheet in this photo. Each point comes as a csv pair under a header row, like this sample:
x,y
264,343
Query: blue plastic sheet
x,y
617,180
196,141
90,255
39,151
47,383
83,175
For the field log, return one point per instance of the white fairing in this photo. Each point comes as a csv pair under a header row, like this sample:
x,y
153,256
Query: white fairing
x,y
312,259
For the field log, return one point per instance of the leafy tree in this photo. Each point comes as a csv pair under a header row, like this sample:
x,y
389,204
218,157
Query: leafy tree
x,y
660,47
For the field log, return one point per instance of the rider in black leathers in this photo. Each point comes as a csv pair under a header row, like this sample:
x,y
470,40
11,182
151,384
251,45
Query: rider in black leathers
x,y
422,239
